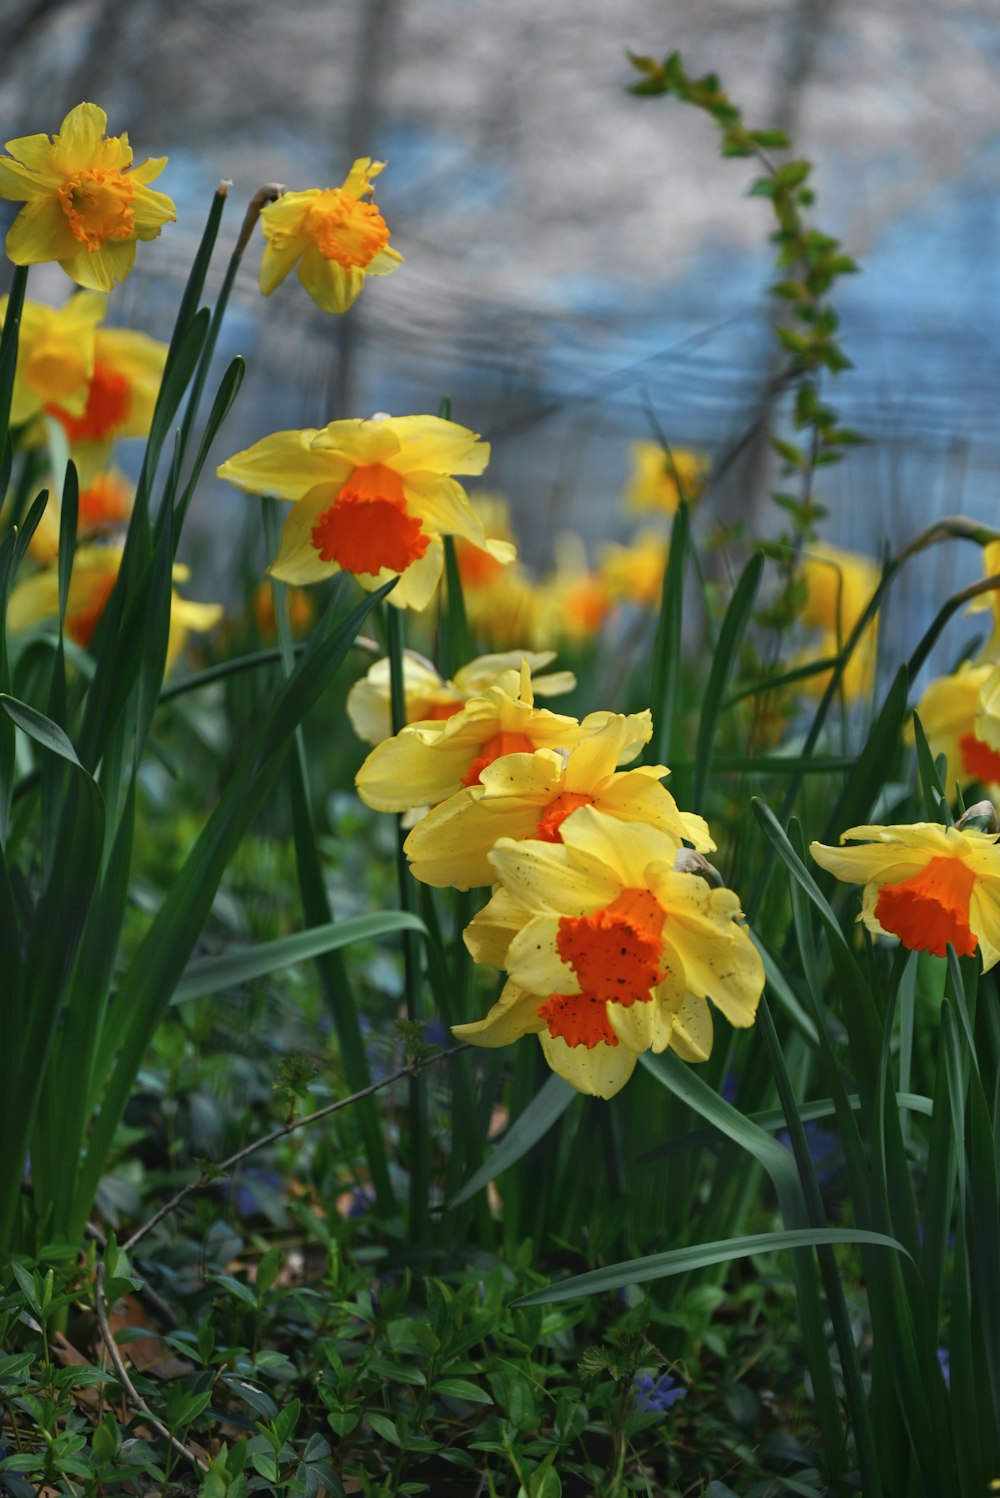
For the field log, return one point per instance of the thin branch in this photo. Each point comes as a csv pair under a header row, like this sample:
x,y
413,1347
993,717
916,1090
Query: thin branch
x,y
207,1177
132,1394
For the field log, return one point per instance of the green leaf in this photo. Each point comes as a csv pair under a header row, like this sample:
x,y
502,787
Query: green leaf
x,y
42,729
461,1388
724,657
698,1256
214,974
665,681
544,1110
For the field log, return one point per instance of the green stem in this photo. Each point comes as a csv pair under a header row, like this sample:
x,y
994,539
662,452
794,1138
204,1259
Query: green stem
x,y
419,1174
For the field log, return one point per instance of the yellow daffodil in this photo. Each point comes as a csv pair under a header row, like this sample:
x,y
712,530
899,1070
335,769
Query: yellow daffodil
x,y
299,607
504,612
634,573
429,697
952,713
95,569
104,504
661,479
611,951
55,356
426,762
927,884
370,497
121,395
335,237
83,206
839,586
572,602
531,795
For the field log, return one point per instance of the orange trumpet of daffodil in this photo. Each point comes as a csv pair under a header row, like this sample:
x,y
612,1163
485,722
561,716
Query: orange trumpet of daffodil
x,y
611,950
369,497
84,207
531,795
927,884
333,235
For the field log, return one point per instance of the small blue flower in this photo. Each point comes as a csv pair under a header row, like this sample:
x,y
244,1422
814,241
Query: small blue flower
x,y
651,1394
944,1359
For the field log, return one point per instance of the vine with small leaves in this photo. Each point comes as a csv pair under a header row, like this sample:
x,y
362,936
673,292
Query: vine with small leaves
x,y
809,263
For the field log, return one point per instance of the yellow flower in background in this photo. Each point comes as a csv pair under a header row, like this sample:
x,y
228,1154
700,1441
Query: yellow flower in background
x,y
299,607
661,479
95,570
120,398
989,602
504,613
369,497
430,698
611,951
56,350
477,567
950,713
531,795
634,573
428,761
572,602
927,884
83,208
839,586
335,237
103,505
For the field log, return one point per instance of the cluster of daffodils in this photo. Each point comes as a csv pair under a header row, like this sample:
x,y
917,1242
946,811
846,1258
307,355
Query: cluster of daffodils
x,y
573,601
960,712
80,387
604,913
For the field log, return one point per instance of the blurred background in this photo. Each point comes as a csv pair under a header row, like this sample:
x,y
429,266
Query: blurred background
x,y
580,264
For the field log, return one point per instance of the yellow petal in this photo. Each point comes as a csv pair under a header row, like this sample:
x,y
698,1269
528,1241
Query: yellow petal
x,y
286,465
276,262
514,1014
490,932
692,1031
39,233
450,846
101,270
443,506
32,158
984,919
433,445
546,878
77,146
617,740
332,286
626,849
600,1072
151,210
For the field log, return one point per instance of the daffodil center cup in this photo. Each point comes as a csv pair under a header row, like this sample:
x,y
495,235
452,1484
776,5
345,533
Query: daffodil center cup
x,y
555,814
345,229
501,743
98,206
368,527
931,908
109,402
616,952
